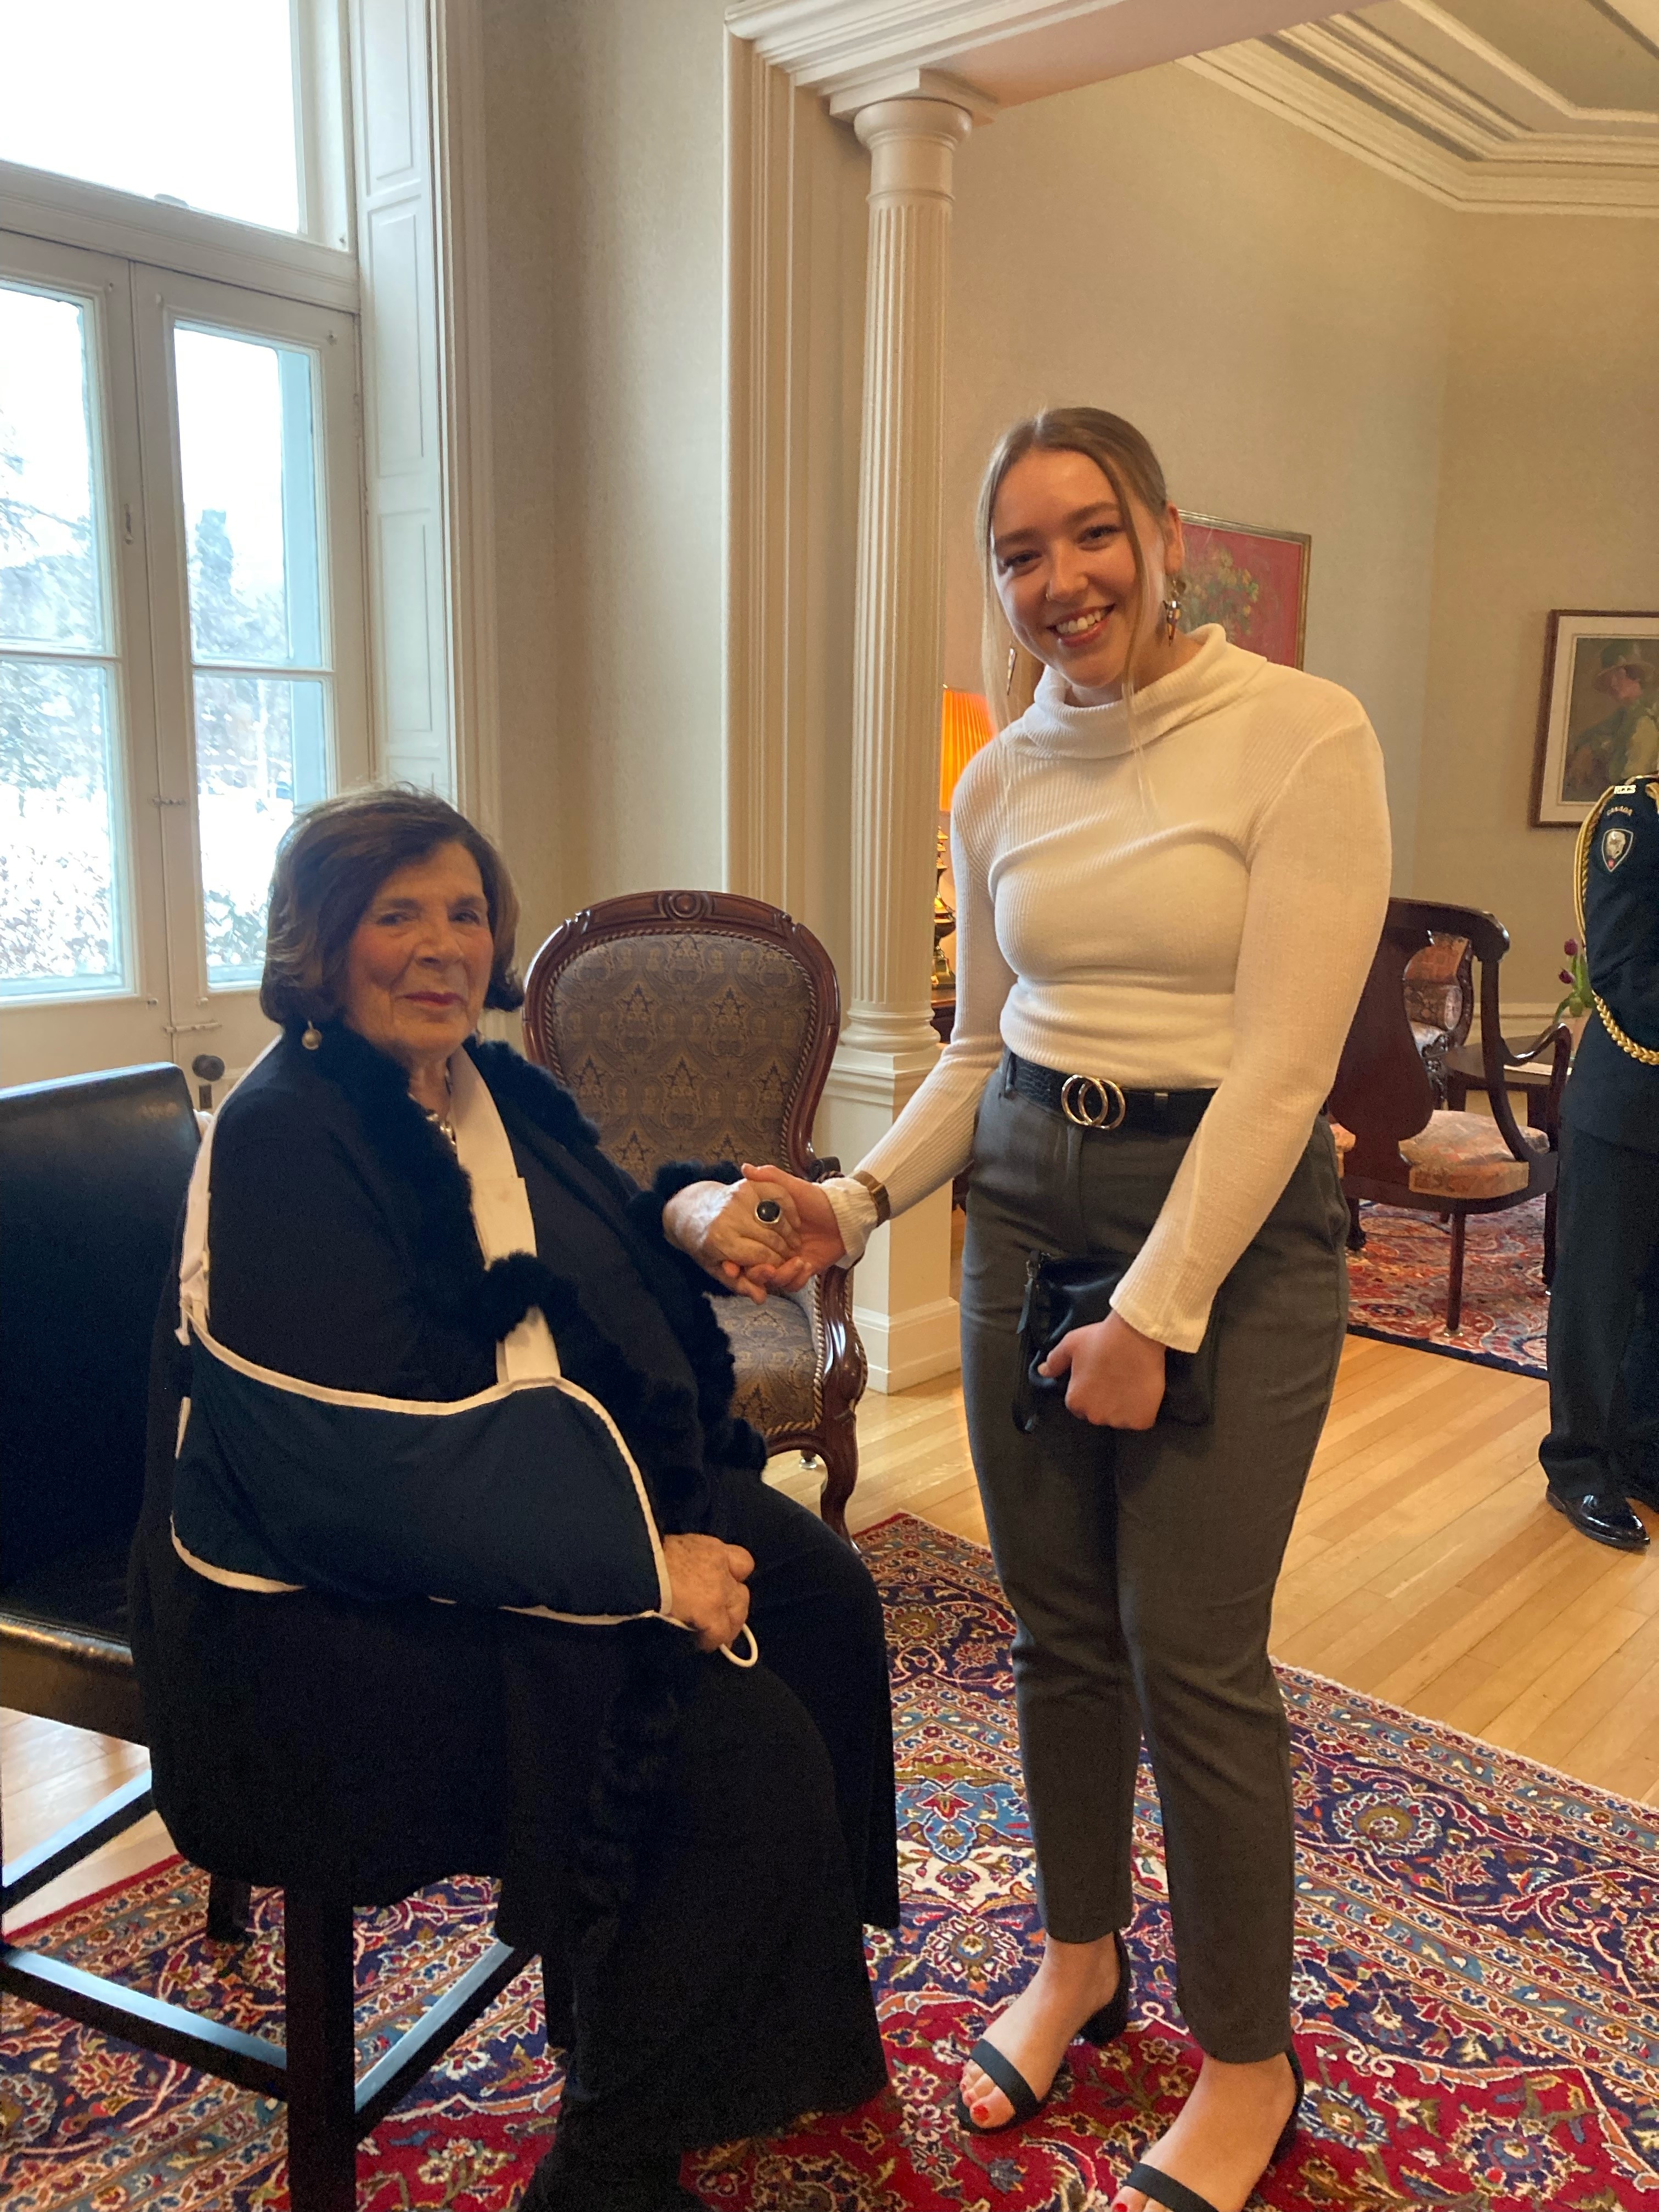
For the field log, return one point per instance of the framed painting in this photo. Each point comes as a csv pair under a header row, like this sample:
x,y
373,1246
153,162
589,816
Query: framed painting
x,y
1598,710
1254,582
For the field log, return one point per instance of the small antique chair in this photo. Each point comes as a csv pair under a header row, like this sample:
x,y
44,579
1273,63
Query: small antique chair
x,y
699,1025
1407,1151
94,1169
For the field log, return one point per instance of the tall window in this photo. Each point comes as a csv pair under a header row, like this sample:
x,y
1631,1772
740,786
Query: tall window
x,y
182,602
63,921
191,102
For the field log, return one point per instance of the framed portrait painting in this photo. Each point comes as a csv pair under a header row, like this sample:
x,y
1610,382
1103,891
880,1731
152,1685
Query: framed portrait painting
x,y
1598,710
1254,582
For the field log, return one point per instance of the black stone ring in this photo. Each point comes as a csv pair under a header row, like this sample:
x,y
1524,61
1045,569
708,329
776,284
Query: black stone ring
x,y
769,1211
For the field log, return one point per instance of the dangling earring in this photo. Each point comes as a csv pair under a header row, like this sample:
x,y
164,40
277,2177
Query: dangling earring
x,y
1008,687
311,1037
1172,610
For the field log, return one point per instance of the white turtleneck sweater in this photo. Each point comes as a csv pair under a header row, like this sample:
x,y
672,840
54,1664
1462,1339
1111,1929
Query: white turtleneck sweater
x,y
1203,916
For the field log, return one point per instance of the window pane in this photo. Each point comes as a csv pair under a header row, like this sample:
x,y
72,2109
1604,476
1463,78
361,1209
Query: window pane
x,y
189,101
49,583
60,908
250,477
261,751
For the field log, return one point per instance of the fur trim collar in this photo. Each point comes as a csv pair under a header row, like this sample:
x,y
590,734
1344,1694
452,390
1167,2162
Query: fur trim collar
x,y
671,1439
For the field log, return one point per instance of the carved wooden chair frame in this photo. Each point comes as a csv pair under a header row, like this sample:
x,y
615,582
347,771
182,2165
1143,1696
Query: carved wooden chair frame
x,y
842,1368
1384,1093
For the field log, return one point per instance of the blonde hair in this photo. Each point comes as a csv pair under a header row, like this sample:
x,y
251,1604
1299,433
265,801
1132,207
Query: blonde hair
x,y
1129,464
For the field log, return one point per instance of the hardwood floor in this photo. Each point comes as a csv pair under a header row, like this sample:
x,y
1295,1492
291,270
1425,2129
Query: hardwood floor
x,y
1425,1568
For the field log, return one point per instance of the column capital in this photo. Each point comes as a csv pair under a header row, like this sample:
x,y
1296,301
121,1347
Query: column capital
x,y
913,147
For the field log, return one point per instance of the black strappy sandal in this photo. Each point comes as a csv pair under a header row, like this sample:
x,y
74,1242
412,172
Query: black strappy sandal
x,y
1102,2026
1160,2188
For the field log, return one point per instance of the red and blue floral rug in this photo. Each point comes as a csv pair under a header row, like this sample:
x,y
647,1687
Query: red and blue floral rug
x,y
1478,1992
1397,1285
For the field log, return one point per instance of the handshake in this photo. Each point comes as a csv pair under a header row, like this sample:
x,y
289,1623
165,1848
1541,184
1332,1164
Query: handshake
x,y
772,1231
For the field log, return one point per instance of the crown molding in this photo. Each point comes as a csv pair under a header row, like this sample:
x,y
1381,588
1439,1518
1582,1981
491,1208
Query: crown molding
x,y
1489,138
827,42
1003,52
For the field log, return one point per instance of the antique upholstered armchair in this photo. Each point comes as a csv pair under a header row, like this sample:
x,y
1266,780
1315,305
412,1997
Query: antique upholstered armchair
x,y
1405,1150
700,1025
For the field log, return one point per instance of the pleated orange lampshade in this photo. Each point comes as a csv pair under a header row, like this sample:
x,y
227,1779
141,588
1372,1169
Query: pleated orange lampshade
x,y
965,727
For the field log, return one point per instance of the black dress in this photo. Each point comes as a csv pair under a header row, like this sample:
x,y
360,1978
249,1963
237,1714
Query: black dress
x,y
365,1749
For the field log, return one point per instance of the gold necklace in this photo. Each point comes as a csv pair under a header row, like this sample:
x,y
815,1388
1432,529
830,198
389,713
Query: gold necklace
x,y
444,1122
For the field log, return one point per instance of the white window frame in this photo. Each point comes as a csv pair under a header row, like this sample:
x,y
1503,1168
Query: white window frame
x,y
412,265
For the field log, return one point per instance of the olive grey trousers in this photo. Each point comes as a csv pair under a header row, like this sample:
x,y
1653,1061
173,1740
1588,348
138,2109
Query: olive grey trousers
x,y
1141,1566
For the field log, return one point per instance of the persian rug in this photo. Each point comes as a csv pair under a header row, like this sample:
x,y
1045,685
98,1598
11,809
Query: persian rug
x,y
1477,1992
1397,1285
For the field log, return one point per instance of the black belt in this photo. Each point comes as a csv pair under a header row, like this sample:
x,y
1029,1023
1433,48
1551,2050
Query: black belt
x,y
1095,1102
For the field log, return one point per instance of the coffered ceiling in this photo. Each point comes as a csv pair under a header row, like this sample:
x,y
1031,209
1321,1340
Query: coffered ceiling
x,y
1505,105
1545,106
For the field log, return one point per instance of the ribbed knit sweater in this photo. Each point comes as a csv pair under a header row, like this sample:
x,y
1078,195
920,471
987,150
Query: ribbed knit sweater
x,y
1183,893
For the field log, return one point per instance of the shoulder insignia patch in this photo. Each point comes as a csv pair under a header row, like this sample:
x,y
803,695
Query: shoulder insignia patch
x,y
1626,790
1615,843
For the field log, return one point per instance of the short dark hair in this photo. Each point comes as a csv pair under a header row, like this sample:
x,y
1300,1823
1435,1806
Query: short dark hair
x,y
332,860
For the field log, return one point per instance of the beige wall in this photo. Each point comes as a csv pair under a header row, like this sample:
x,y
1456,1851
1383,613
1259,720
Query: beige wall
x,y
1458,408
1273,314
604,160
1549,497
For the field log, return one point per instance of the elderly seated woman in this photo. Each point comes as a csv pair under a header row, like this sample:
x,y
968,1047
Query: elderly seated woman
x,y
428,1344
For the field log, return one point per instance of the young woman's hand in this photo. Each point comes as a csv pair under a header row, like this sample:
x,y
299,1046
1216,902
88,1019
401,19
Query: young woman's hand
x,y
716,1224
1117,1374
707,1578
818,1239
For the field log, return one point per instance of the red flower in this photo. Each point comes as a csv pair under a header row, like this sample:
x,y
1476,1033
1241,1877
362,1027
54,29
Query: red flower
x,y
1570,948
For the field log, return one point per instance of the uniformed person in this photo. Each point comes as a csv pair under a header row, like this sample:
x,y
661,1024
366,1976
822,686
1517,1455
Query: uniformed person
x,y
1603,1448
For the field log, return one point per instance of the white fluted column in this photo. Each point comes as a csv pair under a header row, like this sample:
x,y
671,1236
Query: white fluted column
x,y
904,1310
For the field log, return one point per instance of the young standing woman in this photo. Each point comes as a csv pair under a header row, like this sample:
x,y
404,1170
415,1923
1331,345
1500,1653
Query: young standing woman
x,y
1172,870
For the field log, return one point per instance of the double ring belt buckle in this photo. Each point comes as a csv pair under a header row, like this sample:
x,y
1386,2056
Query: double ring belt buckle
x,y
1093,1101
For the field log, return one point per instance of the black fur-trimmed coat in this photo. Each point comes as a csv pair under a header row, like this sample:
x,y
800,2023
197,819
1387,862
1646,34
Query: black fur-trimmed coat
x,y
370,1749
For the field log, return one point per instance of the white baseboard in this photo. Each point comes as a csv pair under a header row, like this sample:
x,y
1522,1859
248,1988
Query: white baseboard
x,y
910,1346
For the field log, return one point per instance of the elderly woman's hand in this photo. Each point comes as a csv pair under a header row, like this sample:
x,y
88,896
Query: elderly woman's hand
x,y
707,1578
718,1225
818,1242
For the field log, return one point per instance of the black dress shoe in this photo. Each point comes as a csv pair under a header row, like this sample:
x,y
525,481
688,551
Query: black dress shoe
x,y
1605,1520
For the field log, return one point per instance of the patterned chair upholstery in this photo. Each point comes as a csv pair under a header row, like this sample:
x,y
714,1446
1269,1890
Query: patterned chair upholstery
x,y
699,1025
1405,1150
1440,1001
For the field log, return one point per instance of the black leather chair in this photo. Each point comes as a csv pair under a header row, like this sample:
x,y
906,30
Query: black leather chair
x,y
93,1172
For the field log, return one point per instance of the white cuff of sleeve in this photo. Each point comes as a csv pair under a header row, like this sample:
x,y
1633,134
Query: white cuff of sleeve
x,y
854,1210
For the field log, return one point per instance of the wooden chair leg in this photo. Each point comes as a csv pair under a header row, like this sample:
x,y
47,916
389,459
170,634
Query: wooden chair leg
x,y
1356,1227
839,1441
1549,1238
1455,1286
229,1909
322,2106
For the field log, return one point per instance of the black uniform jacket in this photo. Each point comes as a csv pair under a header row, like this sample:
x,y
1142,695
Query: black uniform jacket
x,y
1614,1095
370,1747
